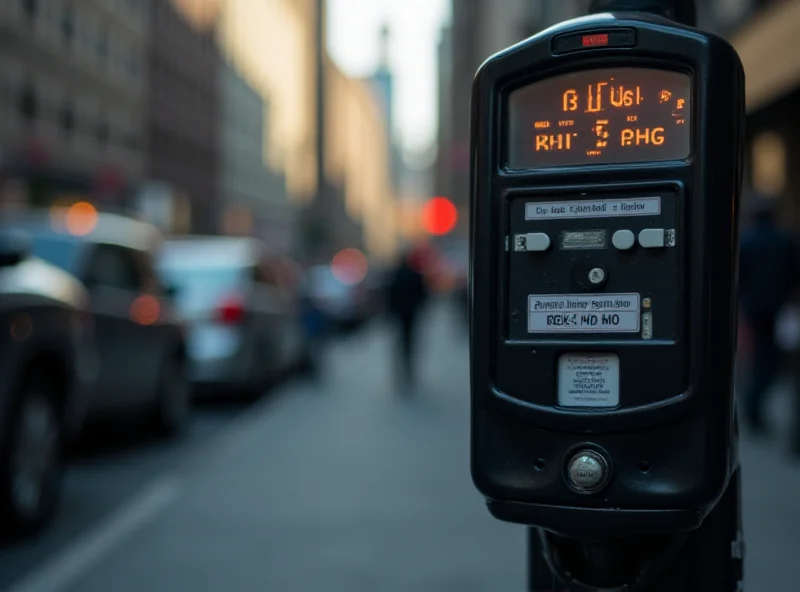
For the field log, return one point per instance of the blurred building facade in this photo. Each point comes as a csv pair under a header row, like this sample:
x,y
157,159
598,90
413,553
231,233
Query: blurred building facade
x,y
443,173
477,31
764,32
382,82
183,113
358,164
72,81
278,48
254,196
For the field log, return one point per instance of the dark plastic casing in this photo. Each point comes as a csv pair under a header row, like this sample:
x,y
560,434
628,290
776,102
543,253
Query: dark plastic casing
x,y
671,441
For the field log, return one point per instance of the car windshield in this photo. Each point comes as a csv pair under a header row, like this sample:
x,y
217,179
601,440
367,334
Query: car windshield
x,y
202,287
60,251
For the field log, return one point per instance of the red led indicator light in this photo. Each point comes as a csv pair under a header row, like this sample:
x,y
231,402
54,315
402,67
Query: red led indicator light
x,y
595,40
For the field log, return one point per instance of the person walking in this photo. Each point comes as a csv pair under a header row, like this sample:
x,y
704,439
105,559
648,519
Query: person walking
x,y
406,295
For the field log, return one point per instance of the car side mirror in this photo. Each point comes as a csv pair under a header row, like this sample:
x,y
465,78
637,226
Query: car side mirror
x,y
14,248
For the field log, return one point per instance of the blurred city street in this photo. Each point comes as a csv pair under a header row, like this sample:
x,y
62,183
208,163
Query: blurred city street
x,y
254,198
346,485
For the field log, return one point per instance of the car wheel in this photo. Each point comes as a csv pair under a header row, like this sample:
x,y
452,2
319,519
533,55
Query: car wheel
x,y
174,401
32,459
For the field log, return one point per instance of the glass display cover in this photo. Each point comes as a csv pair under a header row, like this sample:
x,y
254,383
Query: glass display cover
x,y
612,115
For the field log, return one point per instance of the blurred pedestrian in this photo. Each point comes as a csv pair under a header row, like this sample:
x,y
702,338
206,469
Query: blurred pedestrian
x,y
788,334
768,276
407,291
316,328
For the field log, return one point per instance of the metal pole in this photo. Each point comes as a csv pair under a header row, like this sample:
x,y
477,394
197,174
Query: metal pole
x,y
313,212
710,560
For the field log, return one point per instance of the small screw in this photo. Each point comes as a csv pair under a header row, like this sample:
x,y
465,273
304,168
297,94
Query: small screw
x,y
515,315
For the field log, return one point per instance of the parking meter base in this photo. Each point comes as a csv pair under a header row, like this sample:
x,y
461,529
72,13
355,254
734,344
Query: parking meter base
x,y
709,558
625,565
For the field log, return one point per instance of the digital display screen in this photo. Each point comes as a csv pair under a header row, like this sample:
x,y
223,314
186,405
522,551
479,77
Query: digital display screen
x,y
612,115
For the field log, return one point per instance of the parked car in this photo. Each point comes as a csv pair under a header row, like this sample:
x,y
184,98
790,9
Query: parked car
x,y
345,306
244,320
43,348
138,335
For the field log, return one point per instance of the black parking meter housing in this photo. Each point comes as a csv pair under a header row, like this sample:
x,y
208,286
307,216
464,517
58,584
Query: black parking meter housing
x,y
606,176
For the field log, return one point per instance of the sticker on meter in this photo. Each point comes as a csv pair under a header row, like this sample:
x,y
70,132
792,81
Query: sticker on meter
x,y
588,380
583,313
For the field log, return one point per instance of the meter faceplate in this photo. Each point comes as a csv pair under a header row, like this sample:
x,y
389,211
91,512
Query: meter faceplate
x,y
584,294
669,438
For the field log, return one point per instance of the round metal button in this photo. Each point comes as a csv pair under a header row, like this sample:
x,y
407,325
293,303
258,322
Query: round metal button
x,y
597,275
587,471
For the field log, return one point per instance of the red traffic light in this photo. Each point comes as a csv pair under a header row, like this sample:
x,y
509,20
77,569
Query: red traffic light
x,y
439,216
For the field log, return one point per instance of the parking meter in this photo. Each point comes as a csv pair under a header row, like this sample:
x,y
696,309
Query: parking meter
x,y
606,173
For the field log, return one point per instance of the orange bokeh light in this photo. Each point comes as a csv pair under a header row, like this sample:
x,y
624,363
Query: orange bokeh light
x,y
81,218
145,310
439,216
349,266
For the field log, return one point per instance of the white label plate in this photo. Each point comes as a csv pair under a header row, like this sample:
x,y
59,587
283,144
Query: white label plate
x,y
602,208
588,380
583,313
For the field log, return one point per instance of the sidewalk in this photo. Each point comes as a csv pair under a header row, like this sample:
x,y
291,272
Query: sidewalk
x,y
771,485
350,488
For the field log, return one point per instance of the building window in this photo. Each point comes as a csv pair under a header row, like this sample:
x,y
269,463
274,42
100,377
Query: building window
x,y
206,45
66,118
102,45
132,64
131,141
28,104
68,24
29,8
102,133
731,11
769,164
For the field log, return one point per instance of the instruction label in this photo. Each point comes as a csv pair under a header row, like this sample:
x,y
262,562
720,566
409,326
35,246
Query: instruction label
x,y
588,380
604,208
583,313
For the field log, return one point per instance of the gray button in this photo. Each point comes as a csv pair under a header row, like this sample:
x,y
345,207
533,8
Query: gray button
x,y
537,241
623,239
652,238
587,471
